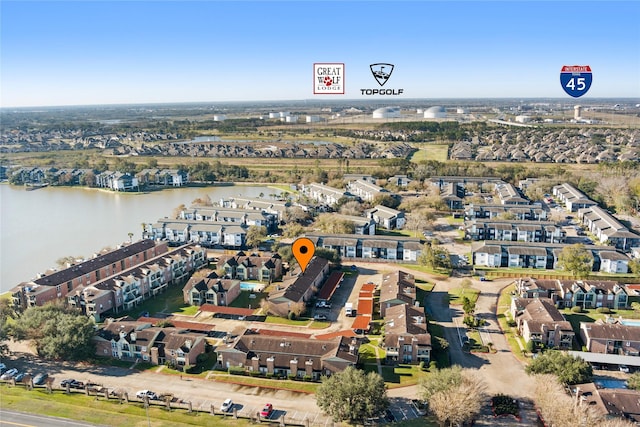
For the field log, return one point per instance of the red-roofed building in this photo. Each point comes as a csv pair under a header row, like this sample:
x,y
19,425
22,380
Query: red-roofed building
x,y
330,286
227,310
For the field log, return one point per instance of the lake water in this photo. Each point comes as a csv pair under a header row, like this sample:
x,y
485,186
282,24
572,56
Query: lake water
x,y
39,227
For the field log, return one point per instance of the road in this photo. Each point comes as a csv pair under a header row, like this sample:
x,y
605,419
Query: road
x,y
21,419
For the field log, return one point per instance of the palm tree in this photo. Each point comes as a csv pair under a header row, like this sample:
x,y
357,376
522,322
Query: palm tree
x,y
130,234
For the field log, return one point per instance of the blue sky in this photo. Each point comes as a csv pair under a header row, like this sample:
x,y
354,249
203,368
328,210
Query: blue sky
x,y
77,53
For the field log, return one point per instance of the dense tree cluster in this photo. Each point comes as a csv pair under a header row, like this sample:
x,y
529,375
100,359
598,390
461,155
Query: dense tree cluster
x,y
58,332
352,396
568,369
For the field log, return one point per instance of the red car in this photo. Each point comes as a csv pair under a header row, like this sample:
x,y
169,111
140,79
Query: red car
x,y
267,410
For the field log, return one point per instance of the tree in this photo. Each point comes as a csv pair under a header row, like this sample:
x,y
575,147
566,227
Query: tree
x,y
255,234
352,207
387,200
455,395
292,230
7,317
329,254
576,259
352,395
634,381
328,223
435,257
297,308
559,409
178,211
296,214
465,285
569,369
58,332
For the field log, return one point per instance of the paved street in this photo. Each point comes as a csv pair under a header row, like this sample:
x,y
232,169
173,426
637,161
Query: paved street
x,y
21,419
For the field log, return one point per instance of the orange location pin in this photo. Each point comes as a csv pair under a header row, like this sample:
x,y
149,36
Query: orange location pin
x,y
303,249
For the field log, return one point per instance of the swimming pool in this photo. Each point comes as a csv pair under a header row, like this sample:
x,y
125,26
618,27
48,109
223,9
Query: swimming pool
x,y
610,383
255,287
630,322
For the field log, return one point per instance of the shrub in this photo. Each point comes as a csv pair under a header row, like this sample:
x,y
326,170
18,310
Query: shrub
x,y
292,377
576,309
433,365
511,323
603,310
307,378
422,365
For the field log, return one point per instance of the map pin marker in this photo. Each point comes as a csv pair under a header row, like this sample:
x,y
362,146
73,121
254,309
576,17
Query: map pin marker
x,y
303,250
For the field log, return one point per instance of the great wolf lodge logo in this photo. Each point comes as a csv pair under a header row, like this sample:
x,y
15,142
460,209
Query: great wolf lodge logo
x,y
328,78
382,73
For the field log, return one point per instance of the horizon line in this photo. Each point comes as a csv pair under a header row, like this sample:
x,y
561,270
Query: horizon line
x,y
324,100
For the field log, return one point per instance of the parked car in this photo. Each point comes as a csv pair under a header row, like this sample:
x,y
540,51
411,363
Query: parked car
x,y
40,378
151,395
319,317
3,368
267,410
72,383
323,304
624,368
20,376
9,374
226,405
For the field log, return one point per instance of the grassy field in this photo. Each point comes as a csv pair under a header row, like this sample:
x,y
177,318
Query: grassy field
x,y
440,273
97,411
244,300
171,301
504,303
305,387
438,152
456,295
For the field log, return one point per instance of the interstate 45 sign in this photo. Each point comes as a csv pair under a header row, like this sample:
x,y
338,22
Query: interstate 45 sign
x,y
576,79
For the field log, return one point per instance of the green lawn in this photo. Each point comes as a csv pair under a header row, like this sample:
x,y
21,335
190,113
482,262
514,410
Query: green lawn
x,y
244,300
367,353
438,152
284,321
502,312
422,290
441,273
397,233
440,357
94,410
190,310
302,386
456,295
171,301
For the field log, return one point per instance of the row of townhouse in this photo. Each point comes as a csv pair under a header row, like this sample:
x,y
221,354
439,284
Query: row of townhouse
x,y
274,207
324,194
361,225
206,233
538,320
509,195
116,181
299,288
493,211
542,255
163,177
453,195
129,288
608,229
406,339
288,355
387,218
611,336
483,183
366,190
390,248
242,217
135,340
266,268
57,284
571,293
610,403
205,287
572,198
516,231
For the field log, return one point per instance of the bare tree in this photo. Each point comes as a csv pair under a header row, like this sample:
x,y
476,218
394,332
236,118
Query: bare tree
x,y
455,395
559,409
